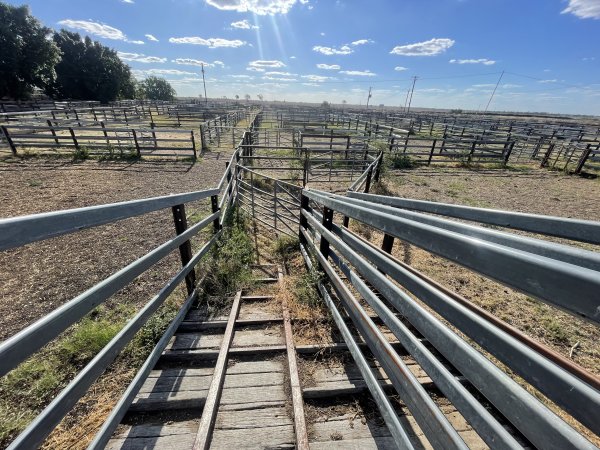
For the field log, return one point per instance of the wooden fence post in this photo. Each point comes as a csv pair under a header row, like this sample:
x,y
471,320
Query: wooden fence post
x,y
137,145
74,138
327,223
368,183
193,145
214,204
9,140
49,122
582,160
185,249
431,153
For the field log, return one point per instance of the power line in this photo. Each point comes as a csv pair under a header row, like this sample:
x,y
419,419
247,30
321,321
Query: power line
x,y
411,93
494,91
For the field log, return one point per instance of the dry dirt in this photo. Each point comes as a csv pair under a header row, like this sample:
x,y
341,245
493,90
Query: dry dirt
x,y
38,277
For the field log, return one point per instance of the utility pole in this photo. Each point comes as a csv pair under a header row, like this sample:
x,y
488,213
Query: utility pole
x,y
412,90
368,97
406,100
493,92
204,83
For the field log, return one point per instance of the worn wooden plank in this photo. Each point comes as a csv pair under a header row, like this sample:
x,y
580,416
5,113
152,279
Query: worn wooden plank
x,y
216,386
260,394
272,335
297,400
370,443
168,401
154,430
253,418
177,441
196,341
268,437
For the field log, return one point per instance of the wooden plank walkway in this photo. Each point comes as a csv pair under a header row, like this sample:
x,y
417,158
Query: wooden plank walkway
x,y
223,382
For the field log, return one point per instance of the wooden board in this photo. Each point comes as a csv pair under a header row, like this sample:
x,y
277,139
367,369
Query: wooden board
x,y
267,437
178,435
263,336
195,340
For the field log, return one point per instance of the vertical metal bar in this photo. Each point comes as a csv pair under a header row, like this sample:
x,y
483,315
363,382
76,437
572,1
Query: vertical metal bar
x,y
185,249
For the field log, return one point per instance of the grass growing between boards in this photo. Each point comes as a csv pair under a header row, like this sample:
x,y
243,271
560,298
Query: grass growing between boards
x,y
28,389
228,268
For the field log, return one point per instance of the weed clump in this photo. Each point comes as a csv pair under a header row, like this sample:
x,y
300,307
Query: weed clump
x,y
229,268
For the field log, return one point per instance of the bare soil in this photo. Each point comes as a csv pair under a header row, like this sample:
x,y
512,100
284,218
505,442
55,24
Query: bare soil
x,y
38,277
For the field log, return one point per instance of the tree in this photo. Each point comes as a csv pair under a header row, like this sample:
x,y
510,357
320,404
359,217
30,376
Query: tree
x,y
260,97
154,88
237,97
247,97
89,71
325,104
27,57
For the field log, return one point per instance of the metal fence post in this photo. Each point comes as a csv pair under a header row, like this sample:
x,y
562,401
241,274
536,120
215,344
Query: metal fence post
x,y
185,249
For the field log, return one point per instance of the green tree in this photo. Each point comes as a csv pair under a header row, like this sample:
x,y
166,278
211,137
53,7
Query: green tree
x,y
154,88
89,71
27,57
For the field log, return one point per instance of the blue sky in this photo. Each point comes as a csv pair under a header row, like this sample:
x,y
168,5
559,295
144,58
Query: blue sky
x,y
315,50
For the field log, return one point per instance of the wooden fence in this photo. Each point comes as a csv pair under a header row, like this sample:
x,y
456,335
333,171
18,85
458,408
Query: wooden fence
x,y
101,140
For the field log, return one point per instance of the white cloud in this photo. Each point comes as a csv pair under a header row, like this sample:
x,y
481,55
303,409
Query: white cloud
x,y
260,7
242,76
219,63
144,73
150,37
589,58
191,62
97,29
362,42
272,78
281,74
584,9
431,47
484,61
358,73
137,57
328,66
343,50
548,81
260,65
244,25
131,2
400,68
316,78
210,43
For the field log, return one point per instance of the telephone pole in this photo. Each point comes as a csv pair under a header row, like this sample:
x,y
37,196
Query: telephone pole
x,y
368,97
493,92
412,90
204,83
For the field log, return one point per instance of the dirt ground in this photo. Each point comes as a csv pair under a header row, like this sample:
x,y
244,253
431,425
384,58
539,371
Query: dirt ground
x,y
38,277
